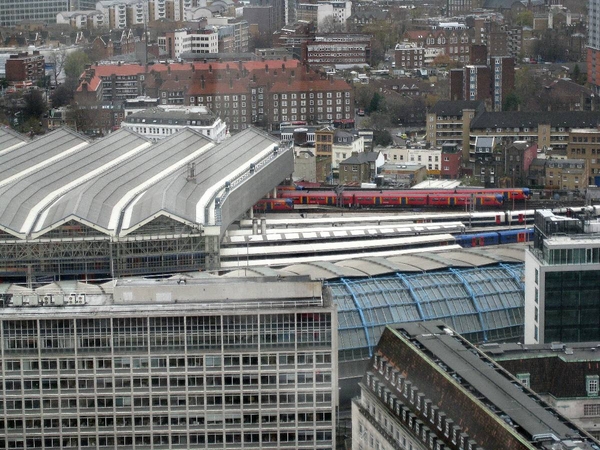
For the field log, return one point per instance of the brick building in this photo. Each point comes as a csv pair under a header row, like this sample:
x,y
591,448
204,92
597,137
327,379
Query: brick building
x,y
333,49
450,121
427,387
25,67
409,56
263,93
550,129
566,174
491,82
560,374
360,168
584,143
451,162
455,43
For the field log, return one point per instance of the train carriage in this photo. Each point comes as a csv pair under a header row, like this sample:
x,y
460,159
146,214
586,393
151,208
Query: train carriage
x,y
478,240
311,198
274,204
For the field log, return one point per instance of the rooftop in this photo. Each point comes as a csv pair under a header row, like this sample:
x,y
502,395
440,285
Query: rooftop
x,y
521,119
501,396
117,184
454,108
179,115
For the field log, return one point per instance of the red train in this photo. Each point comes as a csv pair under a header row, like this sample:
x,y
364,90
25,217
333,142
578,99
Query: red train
x,y
274,204
414,198
507,194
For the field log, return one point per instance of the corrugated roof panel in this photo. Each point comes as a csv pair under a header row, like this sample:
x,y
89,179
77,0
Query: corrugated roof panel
x,y
97,199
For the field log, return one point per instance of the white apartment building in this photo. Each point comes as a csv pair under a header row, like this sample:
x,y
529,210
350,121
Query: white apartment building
x,y
176,364
81,19
162,121
178,42
431,158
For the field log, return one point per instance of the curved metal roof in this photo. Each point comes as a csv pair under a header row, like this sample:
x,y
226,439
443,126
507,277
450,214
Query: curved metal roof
x,y
482,303
102,198
9,140
478,291
120,182
177,196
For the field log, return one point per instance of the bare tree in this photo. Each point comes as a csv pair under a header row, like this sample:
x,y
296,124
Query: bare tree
x,y
57,59
330,25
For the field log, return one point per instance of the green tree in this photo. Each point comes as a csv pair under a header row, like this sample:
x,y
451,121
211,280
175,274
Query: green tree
x,y
524,19
75,64
61,96
375,102
527,89
35,105
577,76
382,137
511,102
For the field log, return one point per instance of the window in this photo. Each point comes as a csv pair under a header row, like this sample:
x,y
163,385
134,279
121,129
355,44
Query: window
x,y
591,410
591,385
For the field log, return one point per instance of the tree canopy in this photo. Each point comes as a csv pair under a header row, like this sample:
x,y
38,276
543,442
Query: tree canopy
x,y
74,64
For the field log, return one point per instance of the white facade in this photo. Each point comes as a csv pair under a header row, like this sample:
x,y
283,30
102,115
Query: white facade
x,y
170,365
81,19
163,121
394,154
122,14
340,152
185,41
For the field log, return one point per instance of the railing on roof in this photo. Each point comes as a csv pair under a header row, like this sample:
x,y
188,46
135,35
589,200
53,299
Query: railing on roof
x,y
241,178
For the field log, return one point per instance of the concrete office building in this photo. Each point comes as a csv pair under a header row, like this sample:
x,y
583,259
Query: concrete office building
x,y
562,269
427,387
14,11
179,364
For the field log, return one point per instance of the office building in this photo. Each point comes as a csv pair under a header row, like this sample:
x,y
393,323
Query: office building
x,y
14,11
562,269
175,364
175,43
426,387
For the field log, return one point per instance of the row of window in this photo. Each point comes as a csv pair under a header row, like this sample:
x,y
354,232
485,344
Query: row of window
x,y
251,400
179,439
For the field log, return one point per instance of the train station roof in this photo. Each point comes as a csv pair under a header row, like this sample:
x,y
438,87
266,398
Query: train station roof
x,y
119,183
477,291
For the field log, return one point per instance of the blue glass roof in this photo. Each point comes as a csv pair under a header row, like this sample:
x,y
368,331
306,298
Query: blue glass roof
x,y
483,304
